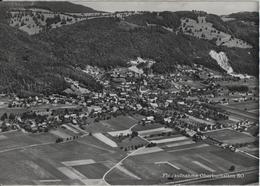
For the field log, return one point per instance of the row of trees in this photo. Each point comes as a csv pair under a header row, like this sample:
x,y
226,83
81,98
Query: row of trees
x,y
60,140
5,116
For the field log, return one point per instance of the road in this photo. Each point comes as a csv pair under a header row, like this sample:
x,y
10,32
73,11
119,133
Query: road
x,y
119,163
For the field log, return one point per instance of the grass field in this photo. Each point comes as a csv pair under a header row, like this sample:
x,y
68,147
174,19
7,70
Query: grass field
x,y
230,136
154,131
166,136
141,127
54,163
16,139
240,114
193,84
251,149
249,82
132,142
252,105
113,124
186,159
92,171
36,158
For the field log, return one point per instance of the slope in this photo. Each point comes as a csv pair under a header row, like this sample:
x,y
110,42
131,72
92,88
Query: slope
x,y
54,6
105,42
27,65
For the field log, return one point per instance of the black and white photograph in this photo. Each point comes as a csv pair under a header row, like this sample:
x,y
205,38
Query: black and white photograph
x,y
120,92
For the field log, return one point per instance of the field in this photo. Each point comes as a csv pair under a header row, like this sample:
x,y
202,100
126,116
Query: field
x,y
248,110
114,124
175,156
251,149
158,164
17,139
236,111
193,84
252,105
154,131
147,126
97,159
51,163
230,136
251,83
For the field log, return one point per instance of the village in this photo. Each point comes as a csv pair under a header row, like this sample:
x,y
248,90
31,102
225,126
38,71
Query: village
x,y
192,99
137,109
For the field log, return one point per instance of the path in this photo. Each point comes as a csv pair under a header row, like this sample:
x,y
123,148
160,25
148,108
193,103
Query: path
x,y
119,163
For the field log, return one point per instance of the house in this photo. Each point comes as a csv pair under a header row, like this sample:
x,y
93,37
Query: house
x,y
167,120
95,109
136,70
154,105
148,120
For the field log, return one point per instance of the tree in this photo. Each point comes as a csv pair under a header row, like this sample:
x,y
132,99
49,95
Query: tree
x,y
3,117
134,134
59,140
63,21
11,116
232,168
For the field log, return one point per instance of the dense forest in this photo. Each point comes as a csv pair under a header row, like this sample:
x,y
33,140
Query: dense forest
x,y
60,6
28,65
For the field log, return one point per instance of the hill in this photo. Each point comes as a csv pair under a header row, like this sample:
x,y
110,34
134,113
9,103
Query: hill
x,y
109,42
245,26
28,66
209,26
41,63
34,17
54,6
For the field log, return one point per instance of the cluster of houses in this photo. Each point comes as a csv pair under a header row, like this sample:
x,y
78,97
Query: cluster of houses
x,y
159,98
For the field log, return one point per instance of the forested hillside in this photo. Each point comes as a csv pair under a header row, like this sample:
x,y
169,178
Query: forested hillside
x,y
108,43
28,65
59,6
39,63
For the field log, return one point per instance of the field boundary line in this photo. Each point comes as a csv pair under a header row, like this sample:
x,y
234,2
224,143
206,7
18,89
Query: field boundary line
x,y
27,146
197,147
248,154
169,163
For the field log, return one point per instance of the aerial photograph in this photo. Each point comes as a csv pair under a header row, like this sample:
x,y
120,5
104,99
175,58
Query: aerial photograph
x,y
122,92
